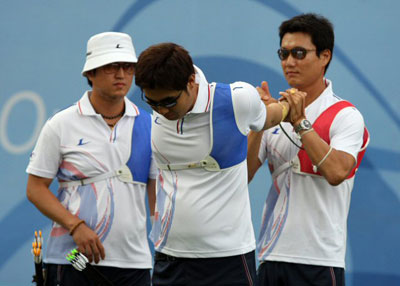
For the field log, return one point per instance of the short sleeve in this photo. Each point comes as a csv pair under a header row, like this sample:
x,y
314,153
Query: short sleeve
x,y
250,111
46,157
347,131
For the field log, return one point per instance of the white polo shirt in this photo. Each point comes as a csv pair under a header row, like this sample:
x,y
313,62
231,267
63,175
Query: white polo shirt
x,y
76,143
202,213
305,218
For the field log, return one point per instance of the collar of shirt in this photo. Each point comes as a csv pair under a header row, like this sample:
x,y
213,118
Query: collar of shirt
x,y
328,88
320,104
202,103
86,108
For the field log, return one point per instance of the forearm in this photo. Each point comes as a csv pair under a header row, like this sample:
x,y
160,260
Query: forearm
x,y
86,239
151,195
335,167
253,147
276,112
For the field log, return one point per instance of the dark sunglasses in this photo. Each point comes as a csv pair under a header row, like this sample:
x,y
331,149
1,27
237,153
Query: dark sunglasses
x,y
298,53
114,68
168,102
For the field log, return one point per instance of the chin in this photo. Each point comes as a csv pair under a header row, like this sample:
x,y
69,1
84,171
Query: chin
x,y
294,83
119,94
171,116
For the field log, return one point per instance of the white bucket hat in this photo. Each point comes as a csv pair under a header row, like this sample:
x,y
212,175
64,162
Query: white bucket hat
x,y
108,47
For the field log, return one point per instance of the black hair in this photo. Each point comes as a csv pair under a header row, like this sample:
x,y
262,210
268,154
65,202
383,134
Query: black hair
x,y
318,27
164,66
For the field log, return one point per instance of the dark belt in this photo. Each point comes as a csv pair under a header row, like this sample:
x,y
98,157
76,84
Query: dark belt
x,y
164,257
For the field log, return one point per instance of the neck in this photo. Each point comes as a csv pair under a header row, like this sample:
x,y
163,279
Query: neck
x,y
107,107
195,92
314,91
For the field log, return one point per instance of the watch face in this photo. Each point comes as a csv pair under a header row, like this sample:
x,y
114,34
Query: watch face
x,y
305,124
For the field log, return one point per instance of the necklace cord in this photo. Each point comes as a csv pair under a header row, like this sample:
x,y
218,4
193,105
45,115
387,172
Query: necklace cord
x,y
113,117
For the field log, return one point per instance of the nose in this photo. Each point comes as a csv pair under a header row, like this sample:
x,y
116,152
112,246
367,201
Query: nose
x,y
120,72
290,61
162,110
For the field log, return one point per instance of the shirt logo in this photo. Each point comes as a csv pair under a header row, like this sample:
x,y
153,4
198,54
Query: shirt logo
x,y
81,142
156,121
236,87
275,131
118,47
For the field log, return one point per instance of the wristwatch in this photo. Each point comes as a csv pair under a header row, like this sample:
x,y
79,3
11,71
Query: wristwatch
x,y
303,125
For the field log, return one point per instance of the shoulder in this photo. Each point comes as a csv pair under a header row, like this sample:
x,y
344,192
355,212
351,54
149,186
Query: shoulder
x,y
349,117
242,88
343,108
64,115
348,113
244,93
347,126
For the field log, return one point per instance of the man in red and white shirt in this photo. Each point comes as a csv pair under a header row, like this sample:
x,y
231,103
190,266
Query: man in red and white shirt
x,y
304,226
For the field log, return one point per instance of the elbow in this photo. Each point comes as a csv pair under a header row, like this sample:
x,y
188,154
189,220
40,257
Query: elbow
x,y
32,193
29,195
334,182
250,174
249,178
336,179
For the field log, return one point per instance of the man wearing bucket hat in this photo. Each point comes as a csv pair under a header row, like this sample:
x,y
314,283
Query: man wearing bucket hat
x,y
99,151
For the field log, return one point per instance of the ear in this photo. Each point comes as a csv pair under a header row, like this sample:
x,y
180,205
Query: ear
x,y
192,81
90,74
325,56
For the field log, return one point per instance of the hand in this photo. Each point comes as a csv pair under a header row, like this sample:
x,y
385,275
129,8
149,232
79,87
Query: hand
x,y
88,243
265,95
297,102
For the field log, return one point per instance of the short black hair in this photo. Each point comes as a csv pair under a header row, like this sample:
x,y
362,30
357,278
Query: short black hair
x,y
164,66
87,78
89,82
318,27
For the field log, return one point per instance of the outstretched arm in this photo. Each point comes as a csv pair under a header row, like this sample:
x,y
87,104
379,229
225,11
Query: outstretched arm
x,y
276,111
253,146
275,114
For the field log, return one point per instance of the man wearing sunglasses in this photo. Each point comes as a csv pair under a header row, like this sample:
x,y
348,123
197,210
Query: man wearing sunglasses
x,y
202,231
99,150
303,234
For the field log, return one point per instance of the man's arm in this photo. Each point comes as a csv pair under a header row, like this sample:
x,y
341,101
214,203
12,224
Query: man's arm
x,y
276,111
151,195
39,194
253,147
334,166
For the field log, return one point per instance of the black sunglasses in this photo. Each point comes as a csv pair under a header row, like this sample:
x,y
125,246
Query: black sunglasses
x,y
168,102
298,53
